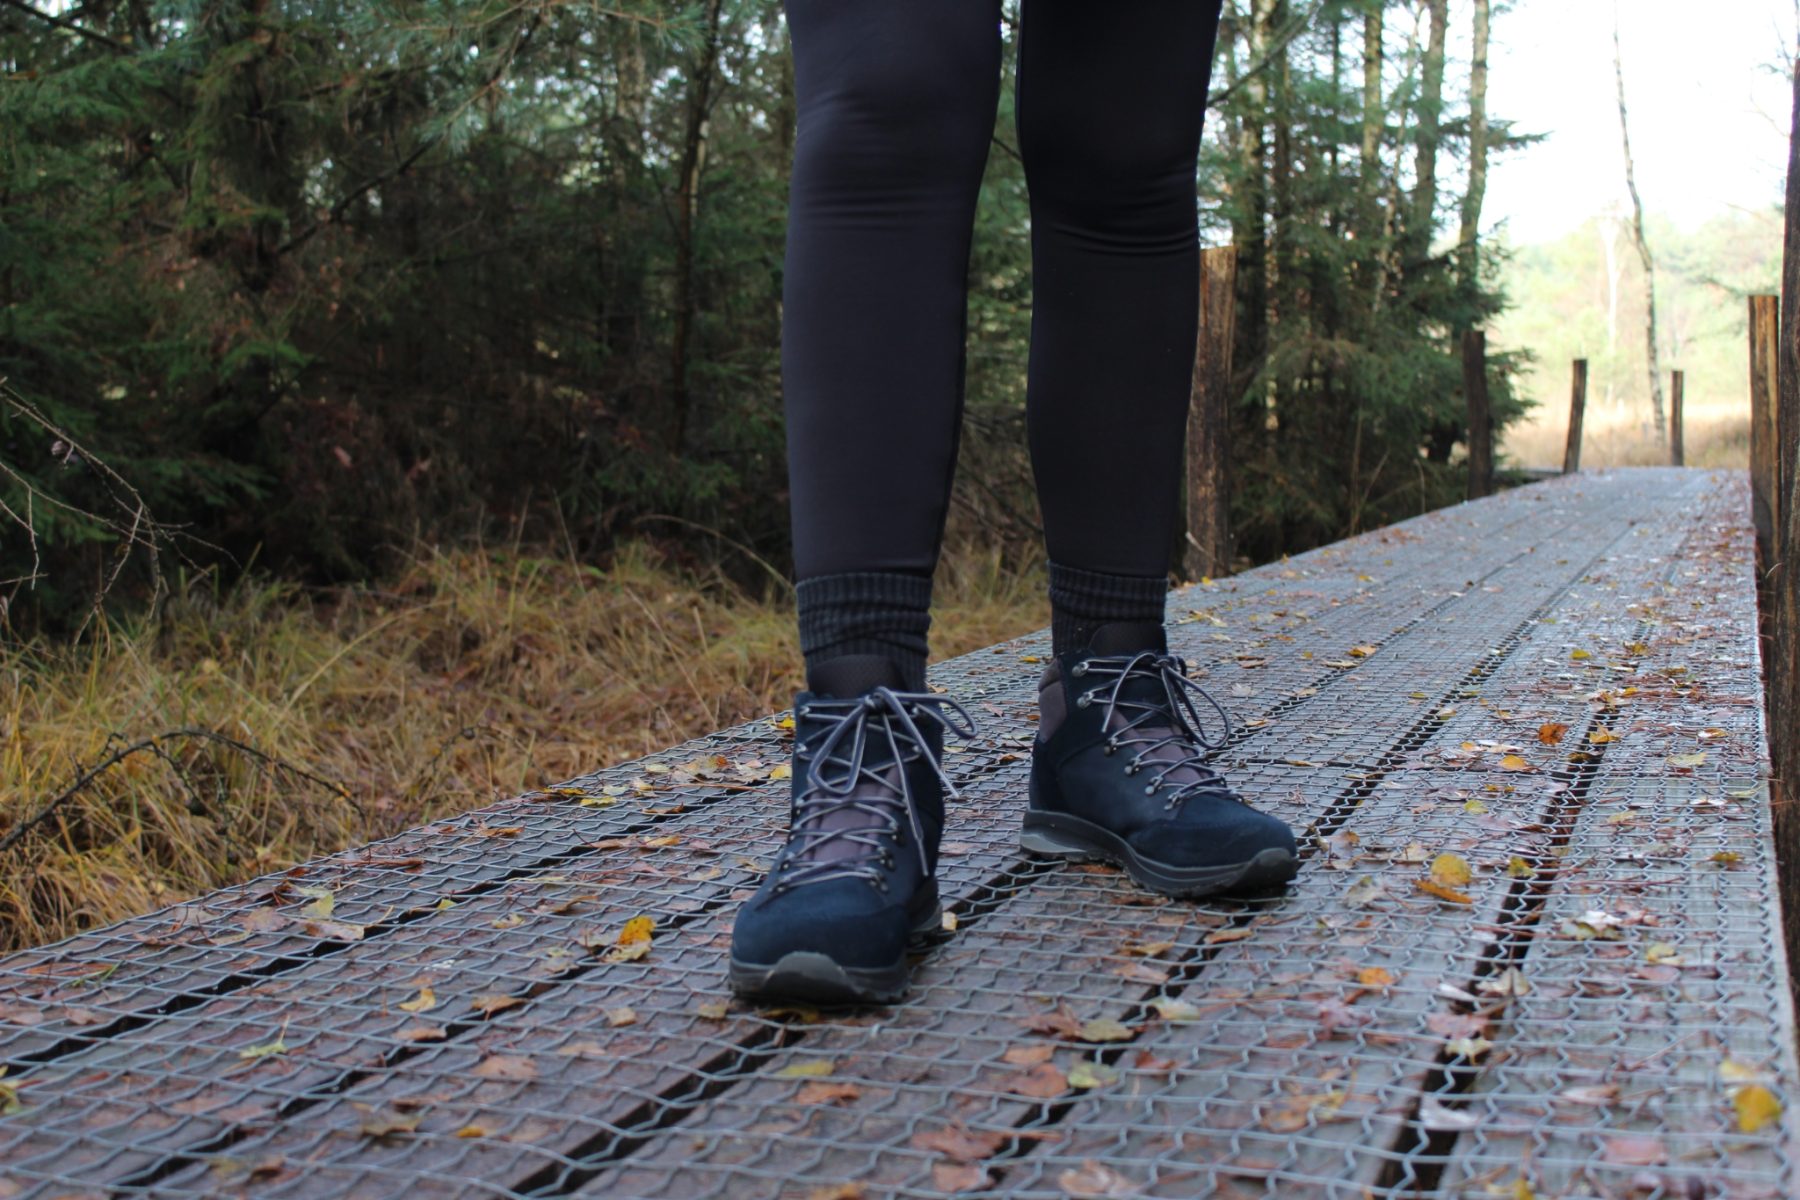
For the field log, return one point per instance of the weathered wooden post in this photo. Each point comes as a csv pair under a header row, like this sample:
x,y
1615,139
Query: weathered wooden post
x,y
1765,438
1577,406
1481,422
1209,548
1781,584
1677,453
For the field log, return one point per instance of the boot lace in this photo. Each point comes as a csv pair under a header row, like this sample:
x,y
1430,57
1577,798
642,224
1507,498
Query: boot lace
x,y
1170,721
840,779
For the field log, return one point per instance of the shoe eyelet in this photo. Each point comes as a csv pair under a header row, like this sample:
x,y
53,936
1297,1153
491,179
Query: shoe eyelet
x,y
1080,669
1110,750
1150,789
1083,700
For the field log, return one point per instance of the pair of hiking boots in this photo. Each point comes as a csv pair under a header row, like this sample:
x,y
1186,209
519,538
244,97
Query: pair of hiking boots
x,y
1118,774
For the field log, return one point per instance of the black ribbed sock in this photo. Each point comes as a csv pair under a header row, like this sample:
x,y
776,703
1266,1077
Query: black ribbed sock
x,y
885,613
1082,601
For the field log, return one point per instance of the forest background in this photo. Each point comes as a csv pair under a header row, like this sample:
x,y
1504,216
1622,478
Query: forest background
x,y
391,404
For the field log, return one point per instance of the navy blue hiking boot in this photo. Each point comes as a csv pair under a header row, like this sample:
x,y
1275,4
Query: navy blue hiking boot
x,y
1118,774
853,890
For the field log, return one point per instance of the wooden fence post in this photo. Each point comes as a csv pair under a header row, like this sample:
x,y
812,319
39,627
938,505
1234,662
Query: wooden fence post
x,y
1577,406
1209,547
1481,422
1765,438
1677,452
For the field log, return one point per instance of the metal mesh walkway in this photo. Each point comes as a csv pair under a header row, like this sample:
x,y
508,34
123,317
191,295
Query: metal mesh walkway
x,y
1557,687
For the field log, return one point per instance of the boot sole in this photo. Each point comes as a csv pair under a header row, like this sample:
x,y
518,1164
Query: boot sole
x,y
811,977
1059,835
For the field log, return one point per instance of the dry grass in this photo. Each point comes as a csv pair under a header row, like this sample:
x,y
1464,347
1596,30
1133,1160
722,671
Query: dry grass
x,y
1716,435
476,674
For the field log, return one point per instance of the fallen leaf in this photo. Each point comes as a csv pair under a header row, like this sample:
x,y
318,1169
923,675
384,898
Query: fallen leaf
x,y
1518,868
1433,888
1375,977
1634,1151
713,1010
1578,655
1663,953
506,1066
1175,1010
1092,1181
833,1191
386,1123
1510,982
425,1001
1598,1095
1029,1056
471,1131
1104,1029
633,941
960,1144
1060,1023
1438,1117
422,1033
512,921
322,904
489,1003
827,1092
1451,871
1756,1107
1361,651
623,1015
1470,1048
264,1050
1228,935
1455,1025
960,1177
1551,732
811,1068
1602,735
1042,1082
1085,1074
1364,892
336,931
1512,762
1687,760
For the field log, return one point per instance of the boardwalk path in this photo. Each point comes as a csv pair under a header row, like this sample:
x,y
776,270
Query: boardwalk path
x,y
1600,1009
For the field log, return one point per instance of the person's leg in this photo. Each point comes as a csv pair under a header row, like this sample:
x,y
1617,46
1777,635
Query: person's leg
x,y
1110,101
896,104
1109,113
896,110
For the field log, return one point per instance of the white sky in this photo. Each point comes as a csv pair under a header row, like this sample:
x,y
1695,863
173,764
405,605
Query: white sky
x,y
1708,117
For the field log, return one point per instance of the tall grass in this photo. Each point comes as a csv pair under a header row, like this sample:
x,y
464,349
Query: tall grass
x,y
1713,435
320,720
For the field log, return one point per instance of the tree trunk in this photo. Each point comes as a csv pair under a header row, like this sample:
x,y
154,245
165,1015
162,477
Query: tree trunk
x,y
1426,135
1643,244
1783,668
1478,149
1374,122
702,76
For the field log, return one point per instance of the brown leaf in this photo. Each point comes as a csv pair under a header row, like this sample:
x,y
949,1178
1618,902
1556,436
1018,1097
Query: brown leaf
x,y
960,1144
1104,1029
422,1033
1456,1025
1095,1182
506,1066
1042,1082
1635,1151
953,1178
1228,935
1029,1056
1551,732
1061,1023
489,1003
828,1092
833,1191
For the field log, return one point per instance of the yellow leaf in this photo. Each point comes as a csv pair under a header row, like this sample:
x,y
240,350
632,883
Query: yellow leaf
x,y
1086,1074
1578,655
265,1050
783,723
623,1015
1373,977
322,904
1687,760
1518,868
1601,736
1104,1029
1733,1071
782,771
425,1001
1474,807
812,1068
1441,892
1551,732
1361,651
1663,952
1512,762
1451,870
1756,1107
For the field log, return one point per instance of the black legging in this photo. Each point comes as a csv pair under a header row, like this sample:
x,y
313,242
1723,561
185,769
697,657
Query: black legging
x,y
896,108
